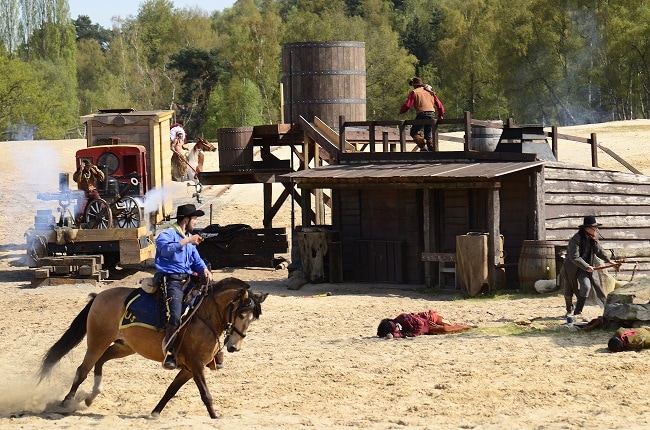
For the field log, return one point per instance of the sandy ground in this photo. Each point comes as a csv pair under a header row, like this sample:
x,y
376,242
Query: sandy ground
x,y
314,362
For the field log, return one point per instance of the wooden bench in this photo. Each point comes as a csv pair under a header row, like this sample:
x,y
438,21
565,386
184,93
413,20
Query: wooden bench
x,y
446,265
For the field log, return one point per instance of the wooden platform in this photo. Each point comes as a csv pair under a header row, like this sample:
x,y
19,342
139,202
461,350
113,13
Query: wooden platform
x,y
132,245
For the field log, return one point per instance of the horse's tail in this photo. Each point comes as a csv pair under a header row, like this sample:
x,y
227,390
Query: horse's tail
x,y
70,339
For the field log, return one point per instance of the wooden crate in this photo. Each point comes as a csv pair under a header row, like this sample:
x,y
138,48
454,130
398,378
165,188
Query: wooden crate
x,y
249,248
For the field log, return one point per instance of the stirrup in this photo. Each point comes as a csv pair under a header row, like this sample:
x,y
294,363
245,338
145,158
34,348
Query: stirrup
x,y
169,362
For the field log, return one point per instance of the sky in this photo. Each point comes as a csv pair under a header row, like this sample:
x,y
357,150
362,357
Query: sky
x,y
101,11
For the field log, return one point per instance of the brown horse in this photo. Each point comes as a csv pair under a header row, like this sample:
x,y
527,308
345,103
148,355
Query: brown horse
x,y
187,168
225,306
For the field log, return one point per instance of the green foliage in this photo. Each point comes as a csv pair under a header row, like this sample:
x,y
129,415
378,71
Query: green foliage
x,y
86,30
25,98
386,81
200,71
543,61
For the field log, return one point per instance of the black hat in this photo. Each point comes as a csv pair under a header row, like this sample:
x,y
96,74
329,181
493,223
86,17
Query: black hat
x,y
590,221
188,211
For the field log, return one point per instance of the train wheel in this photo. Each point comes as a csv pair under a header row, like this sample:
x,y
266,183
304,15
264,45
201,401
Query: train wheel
x,y
127,213
98,214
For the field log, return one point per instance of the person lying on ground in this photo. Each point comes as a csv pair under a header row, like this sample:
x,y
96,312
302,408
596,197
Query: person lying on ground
x,y
416,324
626,339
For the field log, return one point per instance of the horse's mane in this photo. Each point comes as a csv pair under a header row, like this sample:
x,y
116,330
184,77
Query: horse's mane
x,y
254,303
229,283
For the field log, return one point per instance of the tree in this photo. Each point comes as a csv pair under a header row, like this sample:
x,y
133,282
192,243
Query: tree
x,y
200,72
85,29
250,46
389,66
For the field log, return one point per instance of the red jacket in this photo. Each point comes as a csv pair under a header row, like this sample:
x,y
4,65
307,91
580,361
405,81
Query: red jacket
x,y
415,324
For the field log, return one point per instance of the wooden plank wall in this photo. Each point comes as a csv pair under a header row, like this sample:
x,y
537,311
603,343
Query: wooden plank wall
x,y
389,215
516,216
454,218
620,201
150,130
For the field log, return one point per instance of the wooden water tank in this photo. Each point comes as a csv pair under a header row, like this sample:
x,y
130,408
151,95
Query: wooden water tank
x,y
324,79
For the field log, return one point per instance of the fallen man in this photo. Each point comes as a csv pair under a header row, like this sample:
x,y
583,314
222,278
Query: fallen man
x,y
629,339
415,324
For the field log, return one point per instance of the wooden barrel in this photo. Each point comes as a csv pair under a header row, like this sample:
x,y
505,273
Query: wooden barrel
x,y
536,261
486,138
235,147
324,79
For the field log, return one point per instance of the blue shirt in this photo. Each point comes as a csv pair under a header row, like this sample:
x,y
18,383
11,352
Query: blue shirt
x,y
171,257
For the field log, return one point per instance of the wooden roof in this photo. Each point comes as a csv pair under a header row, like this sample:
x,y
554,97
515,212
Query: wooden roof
x,y
458,174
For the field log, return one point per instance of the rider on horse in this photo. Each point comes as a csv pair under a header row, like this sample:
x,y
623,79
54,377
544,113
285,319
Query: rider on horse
x,y
178,138
176,259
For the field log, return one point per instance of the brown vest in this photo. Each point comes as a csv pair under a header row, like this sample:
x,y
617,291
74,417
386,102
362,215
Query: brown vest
x,y
423,100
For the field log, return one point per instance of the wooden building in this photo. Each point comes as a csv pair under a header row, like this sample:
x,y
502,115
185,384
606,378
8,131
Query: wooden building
x,y
400,213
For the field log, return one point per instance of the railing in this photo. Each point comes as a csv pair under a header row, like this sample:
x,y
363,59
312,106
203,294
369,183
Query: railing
x,y
390,144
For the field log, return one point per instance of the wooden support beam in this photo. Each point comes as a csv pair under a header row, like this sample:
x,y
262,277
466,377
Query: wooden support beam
x,y
426,232
494,239
538,203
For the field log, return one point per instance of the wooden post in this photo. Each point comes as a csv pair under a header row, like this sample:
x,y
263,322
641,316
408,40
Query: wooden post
x,y
384,141
594,150
342,133
402,137
468,132
426,231
318,192
554,141
494,238
268,201
435,136
371,132
539,209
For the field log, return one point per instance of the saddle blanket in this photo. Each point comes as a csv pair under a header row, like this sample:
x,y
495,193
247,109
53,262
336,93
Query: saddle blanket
x,y
143,309
147,310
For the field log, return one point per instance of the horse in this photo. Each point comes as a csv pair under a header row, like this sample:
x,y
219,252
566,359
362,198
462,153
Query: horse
x,y
227,306
187,168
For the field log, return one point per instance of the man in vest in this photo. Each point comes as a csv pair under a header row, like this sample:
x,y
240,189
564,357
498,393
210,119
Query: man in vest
x,y
425,103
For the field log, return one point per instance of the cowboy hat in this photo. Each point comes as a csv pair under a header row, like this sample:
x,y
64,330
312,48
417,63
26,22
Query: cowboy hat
x,y
416,81
590,221
188,211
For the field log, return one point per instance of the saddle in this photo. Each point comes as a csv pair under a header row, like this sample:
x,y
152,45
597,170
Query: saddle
x,y
145,306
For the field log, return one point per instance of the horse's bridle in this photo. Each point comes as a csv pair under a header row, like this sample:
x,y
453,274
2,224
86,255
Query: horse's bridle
x,y
232,314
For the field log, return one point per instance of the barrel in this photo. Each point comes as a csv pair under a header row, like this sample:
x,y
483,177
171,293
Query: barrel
x,y
486,138
235,147
536,261
324,79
